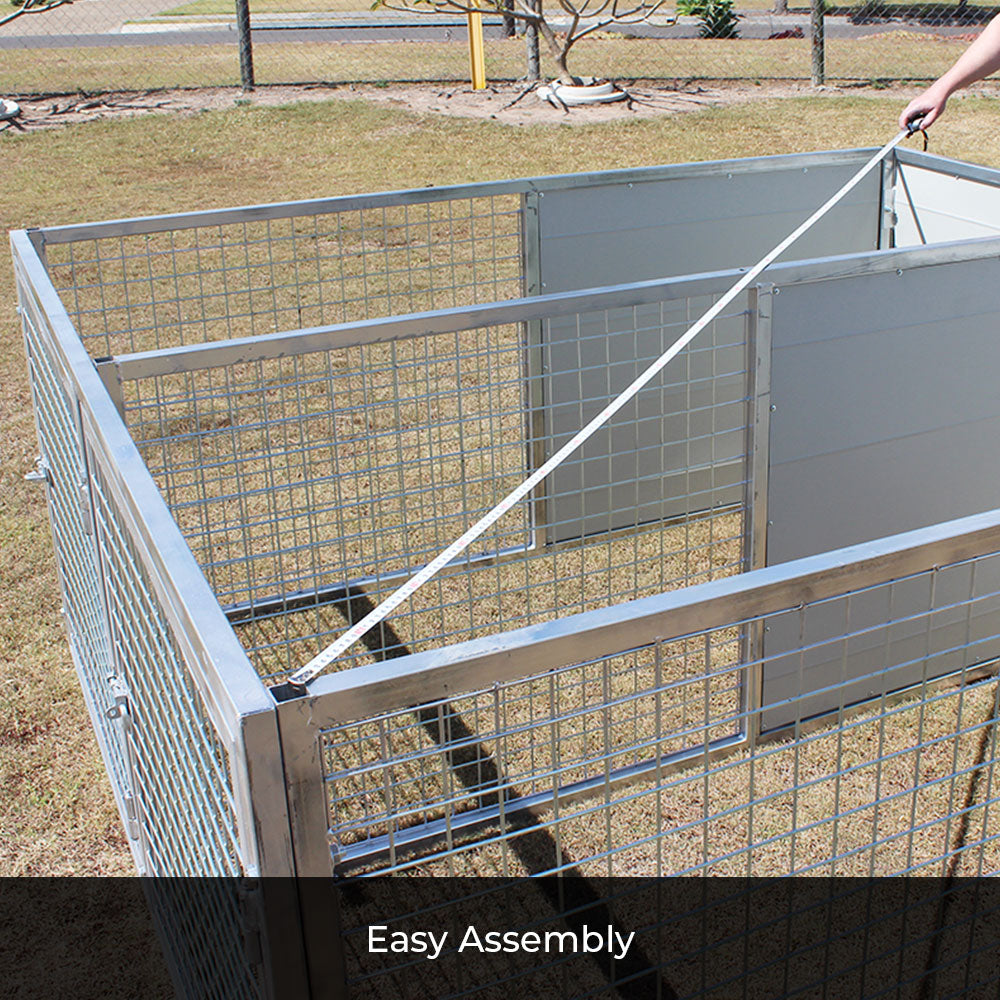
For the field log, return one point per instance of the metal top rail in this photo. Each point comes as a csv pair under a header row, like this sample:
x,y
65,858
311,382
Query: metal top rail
x,y
442,673
342,203
284,343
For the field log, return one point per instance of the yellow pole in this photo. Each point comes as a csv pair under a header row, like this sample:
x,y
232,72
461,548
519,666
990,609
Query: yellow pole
x,y
477,62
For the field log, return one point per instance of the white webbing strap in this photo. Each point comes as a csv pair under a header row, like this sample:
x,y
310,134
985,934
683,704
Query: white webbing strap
x,y
322,660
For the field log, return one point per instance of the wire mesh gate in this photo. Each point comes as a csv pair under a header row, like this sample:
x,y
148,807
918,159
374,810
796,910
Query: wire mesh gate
x,y
582,695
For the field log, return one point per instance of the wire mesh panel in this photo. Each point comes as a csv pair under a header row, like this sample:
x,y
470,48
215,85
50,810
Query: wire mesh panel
x,y
181,771
307,265
453,768
596,775
695,939
882,790
63,463
165,695
310,484
669,453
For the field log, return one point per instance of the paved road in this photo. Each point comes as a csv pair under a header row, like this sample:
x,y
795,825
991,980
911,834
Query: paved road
x,y
85,17
106,23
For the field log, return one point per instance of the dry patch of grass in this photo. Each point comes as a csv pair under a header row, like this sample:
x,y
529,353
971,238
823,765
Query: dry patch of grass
x,y
892,55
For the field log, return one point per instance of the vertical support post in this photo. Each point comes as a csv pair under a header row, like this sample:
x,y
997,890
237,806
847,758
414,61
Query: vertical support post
x,y
816,33
534,363
309,823
887,202
755,535
262,806
246,47
110,374
477,63
531,43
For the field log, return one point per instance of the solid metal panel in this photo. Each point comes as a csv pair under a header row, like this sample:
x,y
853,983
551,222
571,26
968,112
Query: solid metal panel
x,y
885,419
679,447
935,207
613,232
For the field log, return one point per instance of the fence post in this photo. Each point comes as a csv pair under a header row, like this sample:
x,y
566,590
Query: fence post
x,y
246,48
509,24
816,9
531,42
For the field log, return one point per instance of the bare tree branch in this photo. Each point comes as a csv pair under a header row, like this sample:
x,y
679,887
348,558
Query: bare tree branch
x,y
578,11
33,7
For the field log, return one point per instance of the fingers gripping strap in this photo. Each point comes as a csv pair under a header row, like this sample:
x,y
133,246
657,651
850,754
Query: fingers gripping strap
x,y
322,660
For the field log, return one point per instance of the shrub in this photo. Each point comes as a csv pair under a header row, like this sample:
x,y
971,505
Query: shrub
x,y
718,19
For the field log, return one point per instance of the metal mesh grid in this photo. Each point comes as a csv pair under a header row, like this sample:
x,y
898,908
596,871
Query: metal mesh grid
x,y
168,765
129,293
133,47
513,748
181,773
895,784
308,486
58,439
193,911
695,939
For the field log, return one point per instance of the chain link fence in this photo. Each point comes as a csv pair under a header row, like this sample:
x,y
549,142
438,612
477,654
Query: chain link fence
x,y
98,45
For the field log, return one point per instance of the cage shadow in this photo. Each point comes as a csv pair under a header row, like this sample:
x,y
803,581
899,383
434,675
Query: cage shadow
x,y
572,896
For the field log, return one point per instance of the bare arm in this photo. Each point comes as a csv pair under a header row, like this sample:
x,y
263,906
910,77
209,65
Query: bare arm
x,y
979,60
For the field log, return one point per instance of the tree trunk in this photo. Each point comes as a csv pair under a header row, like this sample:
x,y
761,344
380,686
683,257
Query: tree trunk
x,y
531,44
816,27
559,52
508,21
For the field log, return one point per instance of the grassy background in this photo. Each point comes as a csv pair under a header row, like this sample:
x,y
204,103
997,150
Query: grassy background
x,y
56,811
889,55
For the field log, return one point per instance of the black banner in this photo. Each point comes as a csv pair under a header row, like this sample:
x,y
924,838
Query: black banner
x,y
921,938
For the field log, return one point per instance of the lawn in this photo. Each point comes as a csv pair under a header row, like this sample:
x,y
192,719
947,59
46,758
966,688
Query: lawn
x,y
56,812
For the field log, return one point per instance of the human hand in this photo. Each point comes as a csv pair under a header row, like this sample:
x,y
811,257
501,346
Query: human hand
x,y
927,108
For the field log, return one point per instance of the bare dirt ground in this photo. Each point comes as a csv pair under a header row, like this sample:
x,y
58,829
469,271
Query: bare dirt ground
x,y
510,104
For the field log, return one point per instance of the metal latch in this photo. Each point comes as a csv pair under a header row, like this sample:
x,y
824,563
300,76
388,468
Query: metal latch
x,y
85,513
40,474
118,712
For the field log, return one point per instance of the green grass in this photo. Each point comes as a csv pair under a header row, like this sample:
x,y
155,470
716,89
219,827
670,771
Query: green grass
x,y
56,811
